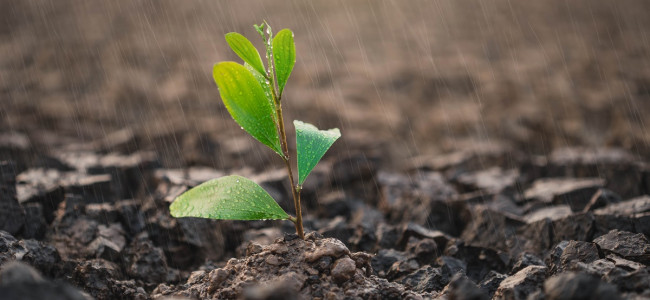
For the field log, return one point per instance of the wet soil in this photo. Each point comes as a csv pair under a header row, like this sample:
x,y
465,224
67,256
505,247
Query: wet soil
x,y
488,152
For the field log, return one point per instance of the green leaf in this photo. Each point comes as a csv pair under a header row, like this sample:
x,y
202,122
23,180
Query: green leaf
x,y
266,87
311,145
246,102
227,198
284,56
245,49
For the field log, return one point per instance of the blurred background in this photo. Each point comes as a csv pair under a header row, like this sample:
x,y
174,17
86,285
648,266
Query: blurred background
x,y
402,79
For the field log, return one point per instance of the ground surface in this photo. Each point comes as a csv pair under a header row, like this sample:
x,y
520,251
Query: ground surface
x,y
461,123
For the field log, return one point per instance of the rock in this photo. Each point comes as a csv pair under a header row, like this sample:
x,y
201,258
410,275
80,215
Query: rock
x,y
12,215
524,260
363,239
35,224
536,237
451,266
17,147
343,270
616,166
425,251
491,229
41,256
338,228
631,246
462,288
491,180
605,223
569,286
479,261
602,198
16,272
425,279
630,207
93,188
419,232
574,192
388,236
328,247
104,280
578,227
401,268
420,199
131,216
522,283
491,282
384,259
41,186
552,213
145,261
20,281
567,253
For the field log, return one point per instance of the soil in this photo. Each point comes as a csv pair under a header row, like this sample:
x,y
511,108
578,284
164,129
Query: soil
x,y
488,152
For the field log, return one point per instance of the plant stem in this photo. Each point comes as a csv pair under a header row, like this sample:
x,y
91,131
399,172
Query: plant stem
x,y
295,190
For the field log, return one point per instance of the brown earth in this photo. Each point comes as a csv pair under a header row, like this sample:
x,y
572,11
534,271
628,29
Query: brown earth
x,y
415,79
490,149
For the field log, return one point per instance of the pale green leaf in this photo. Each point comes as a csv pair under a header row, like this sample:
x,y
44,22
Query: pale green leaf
x,y
284,56
227,198
246,51
247,103
311,145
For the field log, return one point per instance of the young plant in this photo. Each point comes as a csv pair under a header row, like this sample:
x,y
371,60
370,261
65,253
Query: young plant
x,y
252,94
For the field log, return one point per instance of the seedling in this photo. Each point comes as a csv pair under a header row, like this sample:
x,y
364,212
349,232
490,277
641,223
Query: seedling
x,y
252,94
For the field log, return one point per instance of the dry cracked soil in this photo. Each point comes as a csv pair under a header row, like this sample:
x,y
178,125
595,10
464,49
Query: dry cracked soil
x,y
489,151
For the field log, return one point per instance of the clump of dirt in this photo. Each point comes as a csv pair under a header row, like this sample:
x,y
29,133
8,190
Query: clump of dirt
x,y
292,268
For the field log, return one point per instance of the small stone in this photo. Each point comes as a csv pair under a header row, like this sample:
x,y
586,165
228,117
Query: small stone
x,y
384,259
578,227
387,236
425,279
491,282
328,247
462,288
420,232
35,225
17,272
253,248
522,283
578,286
491,180
272,260
524,260
401,268
12,215
626,244
630,207
567,253
571,191
343,270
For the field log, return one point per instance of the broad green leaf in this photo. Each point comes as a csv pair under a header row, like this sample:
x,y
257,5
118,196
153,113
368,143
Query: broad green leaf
x,y
227,198
311,145
246,102
284,56
265,86
245,49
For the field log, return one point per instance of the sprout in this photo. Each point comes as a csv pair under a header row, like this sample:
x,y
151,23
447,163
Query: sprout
x,y
252,94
